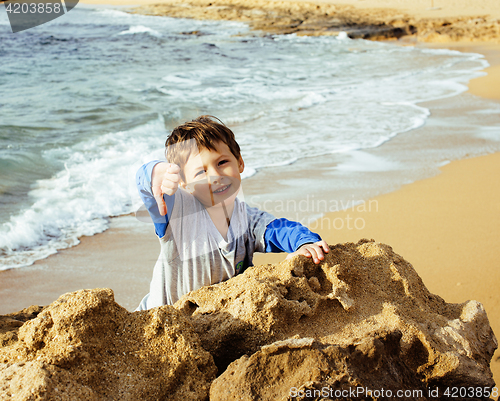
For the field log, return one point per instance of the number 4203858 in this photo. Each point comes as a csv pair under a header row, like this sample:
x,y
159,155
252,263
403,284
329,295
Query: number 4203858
x,y
33,8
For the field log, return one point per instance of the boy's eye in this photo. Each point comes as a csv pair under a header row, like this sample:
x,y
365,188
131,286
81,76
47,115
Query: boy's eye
x,y
203,171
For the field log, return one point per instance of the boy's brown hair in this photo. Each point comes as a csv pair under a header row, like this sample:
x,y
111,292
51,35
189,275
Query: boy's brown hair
x,y
206,131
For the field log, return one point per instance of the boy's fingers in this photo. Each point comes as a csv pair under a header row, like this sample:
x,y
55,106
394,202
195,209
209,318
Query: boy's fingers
x,y
158,195
316,252
171,177
304,252
164,183
324,245
168,187
156,189
167,191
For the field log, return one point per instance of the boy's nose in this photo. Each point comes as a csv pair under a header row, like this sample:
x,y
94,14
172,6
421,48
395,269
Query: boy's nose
x,y
216,180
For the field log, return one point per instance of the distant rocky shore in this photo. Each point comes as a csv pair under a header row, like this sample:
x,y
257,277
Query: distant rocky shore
x,y
309,18
360,322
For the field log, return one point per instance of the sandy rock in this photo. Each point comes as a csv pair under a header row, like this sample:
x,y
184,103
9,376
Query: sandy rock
x,y
296,368
84,346
358,291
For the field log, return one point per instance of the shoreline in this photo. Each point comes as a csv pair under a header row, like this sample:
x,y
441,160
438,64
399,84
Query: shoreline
x,y
487,85
367,20
121,258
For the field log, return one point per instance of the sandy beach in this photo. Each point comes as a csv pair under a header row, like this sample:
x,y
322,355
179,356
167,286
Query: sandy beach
x,y
445,226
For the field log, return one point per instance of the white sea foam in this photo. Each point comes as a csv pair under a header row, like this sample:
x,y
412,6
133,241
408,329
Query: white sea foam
x,y
360,161
342,36
98,181
140,29
489,133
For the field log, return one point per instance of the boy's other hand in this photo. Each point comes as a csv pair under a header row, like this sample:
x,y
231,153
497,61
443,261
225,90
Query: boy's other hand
x,y
164,180
316,250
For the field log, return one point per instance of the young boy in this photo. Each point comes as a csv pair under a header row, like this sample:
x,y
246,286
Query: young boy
x,y
208,235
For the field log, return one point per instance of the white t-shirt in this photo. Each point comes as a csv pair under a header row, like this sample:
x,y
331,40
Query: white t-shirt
x,y
195,254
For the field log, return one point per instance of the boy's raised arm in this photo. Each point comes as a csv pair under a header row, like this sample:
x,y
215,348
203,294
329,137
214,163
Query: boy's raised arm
x,y
144,178
164,180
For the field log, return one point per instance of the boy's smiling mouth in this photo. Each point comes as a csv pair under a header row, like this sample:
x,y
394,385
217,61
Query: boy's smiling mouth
x,y
222,189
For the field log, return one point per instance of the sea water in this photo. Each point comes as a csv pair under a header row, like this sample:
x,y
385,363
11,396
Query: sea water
x,y
87,98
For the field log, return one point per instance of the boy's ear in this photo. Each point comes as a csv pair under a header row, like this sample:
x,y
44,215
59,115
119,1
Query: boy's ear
x,y
241,165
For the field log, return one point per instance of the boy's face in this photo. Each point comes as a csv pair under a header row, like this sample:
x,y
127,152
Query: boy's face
x,y
213,177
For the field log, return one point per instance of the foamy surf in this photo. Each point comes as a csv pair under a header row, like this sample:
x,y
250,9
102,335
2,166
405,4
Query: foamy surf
x,y
98,181
140,29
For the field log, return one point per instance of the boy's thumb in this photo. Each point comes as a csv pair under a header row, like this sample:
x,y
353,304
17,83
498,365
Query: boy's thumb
x,y
173,168
162,206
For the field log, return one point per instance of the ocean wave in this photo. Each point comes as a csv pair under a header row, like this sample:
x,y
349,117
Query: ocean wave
x,y
98,181
286,98
133,30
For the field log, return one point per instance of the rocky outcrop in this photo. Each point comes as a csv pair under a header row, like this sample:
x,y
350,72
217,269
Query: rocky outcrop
x,y
360,320
357,292
9,324
85,346
310,18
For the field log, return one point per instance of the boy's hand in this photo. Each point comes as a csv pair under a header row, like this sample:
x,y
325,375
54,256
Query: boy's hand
x,y
316,250
164,180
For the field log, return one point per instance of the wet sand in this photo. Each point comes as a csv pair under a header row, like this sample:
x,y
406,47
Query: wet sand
x,y
121,258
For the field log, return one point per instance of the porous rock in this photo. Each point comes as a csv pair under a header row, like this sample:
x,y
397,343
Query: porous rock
x,y
360,319
84,346
358,291
300,369
9,324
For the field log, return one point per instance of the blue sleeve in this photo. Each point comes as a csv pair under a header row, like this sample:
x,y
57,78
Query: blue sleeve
x,y
283,235
143,182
